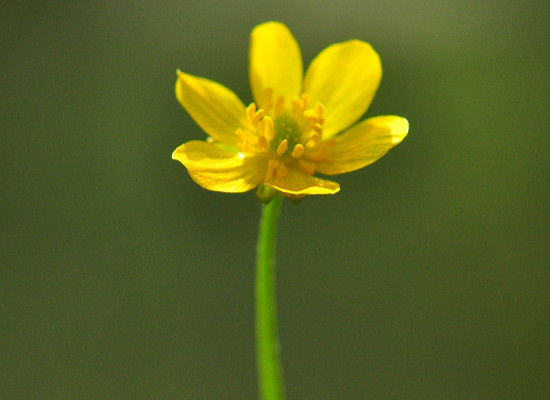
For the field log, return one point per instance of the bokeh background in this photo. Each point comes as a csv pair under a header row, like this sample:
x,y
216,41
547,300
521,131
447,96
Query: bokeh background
x,y
426,277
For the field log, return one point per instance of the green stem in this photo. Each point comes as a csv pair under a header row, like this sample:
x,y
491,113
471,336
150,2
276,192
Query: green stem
x,y
270,376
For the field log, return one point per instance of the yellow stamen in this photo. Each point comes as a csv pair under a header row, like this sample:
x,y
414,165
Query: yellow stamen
x,y
298,151
311,115
262,143
282,147
322,152
245,146
271,166
319,109
268,129
318,128
307,167
258,117
305,99
313,140
251,111
298,104
282,171
268,98
279,105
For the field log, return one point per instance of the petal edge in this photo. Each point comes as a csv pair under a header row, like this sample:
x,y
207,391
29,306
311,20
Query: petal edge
x,y
219,170
298,184
344,77
215,108
363,144
275,62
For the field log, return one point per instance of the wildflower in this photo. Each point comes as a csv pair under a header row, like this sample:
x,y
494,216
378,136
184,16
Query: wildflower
x,y
296,127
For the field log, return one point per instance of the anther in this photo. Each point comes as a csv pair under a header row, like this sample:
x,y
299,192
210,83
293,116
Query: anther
x,y
319,109
268,98
251,111
312,142
311,115
262,143
322,152
305,99
298,151
271,166
298,104
279,105
268,129
245,146
318,128
258,117
282,171
282,147
307,167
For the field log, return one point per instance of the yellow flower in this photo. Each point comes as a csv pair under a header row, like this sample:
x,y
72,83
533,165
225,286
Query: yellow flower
x,y
296,127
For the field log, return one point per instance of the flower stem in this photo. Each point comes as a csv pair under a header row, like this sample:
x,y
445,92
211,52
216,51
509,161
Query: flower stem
x,y
270,376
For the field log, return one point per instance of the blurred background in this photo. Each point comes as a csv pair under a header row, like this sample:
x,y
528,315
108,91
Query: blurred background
x,y
426,277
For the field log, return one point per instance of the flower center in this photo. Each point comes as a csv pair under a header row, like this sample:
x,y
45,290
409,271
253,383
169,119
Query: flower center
x,y
291,138
286,128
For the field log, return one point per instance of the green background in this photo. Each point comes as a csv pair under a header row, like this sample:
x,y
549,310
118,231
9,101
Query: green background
x,y
426,277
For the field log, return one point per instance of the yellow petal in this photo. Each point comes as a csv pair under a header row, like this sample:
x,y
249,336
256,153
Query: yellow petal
x,y
344,78
363,144
216,169
215,108
275,63
297,183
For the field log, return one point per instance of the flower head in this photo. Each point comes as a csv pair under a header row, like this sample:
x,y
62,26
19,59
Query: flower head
x,y
297,125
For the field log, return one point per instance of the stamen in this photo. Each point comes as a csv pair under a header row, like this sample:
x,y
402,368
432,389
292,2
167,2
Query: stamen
x,y
245,146
298,151
313,140
318,128
282,171
298,104
307,167
319,109
271,166
262,143
258,117
322,152
279,105
251,111
282,147
311,115
267,128
268,98
305,99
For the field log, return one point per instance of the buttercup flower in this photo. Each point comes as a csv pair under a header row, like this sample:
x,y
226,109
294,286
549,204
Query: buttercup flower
x,y
295,127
